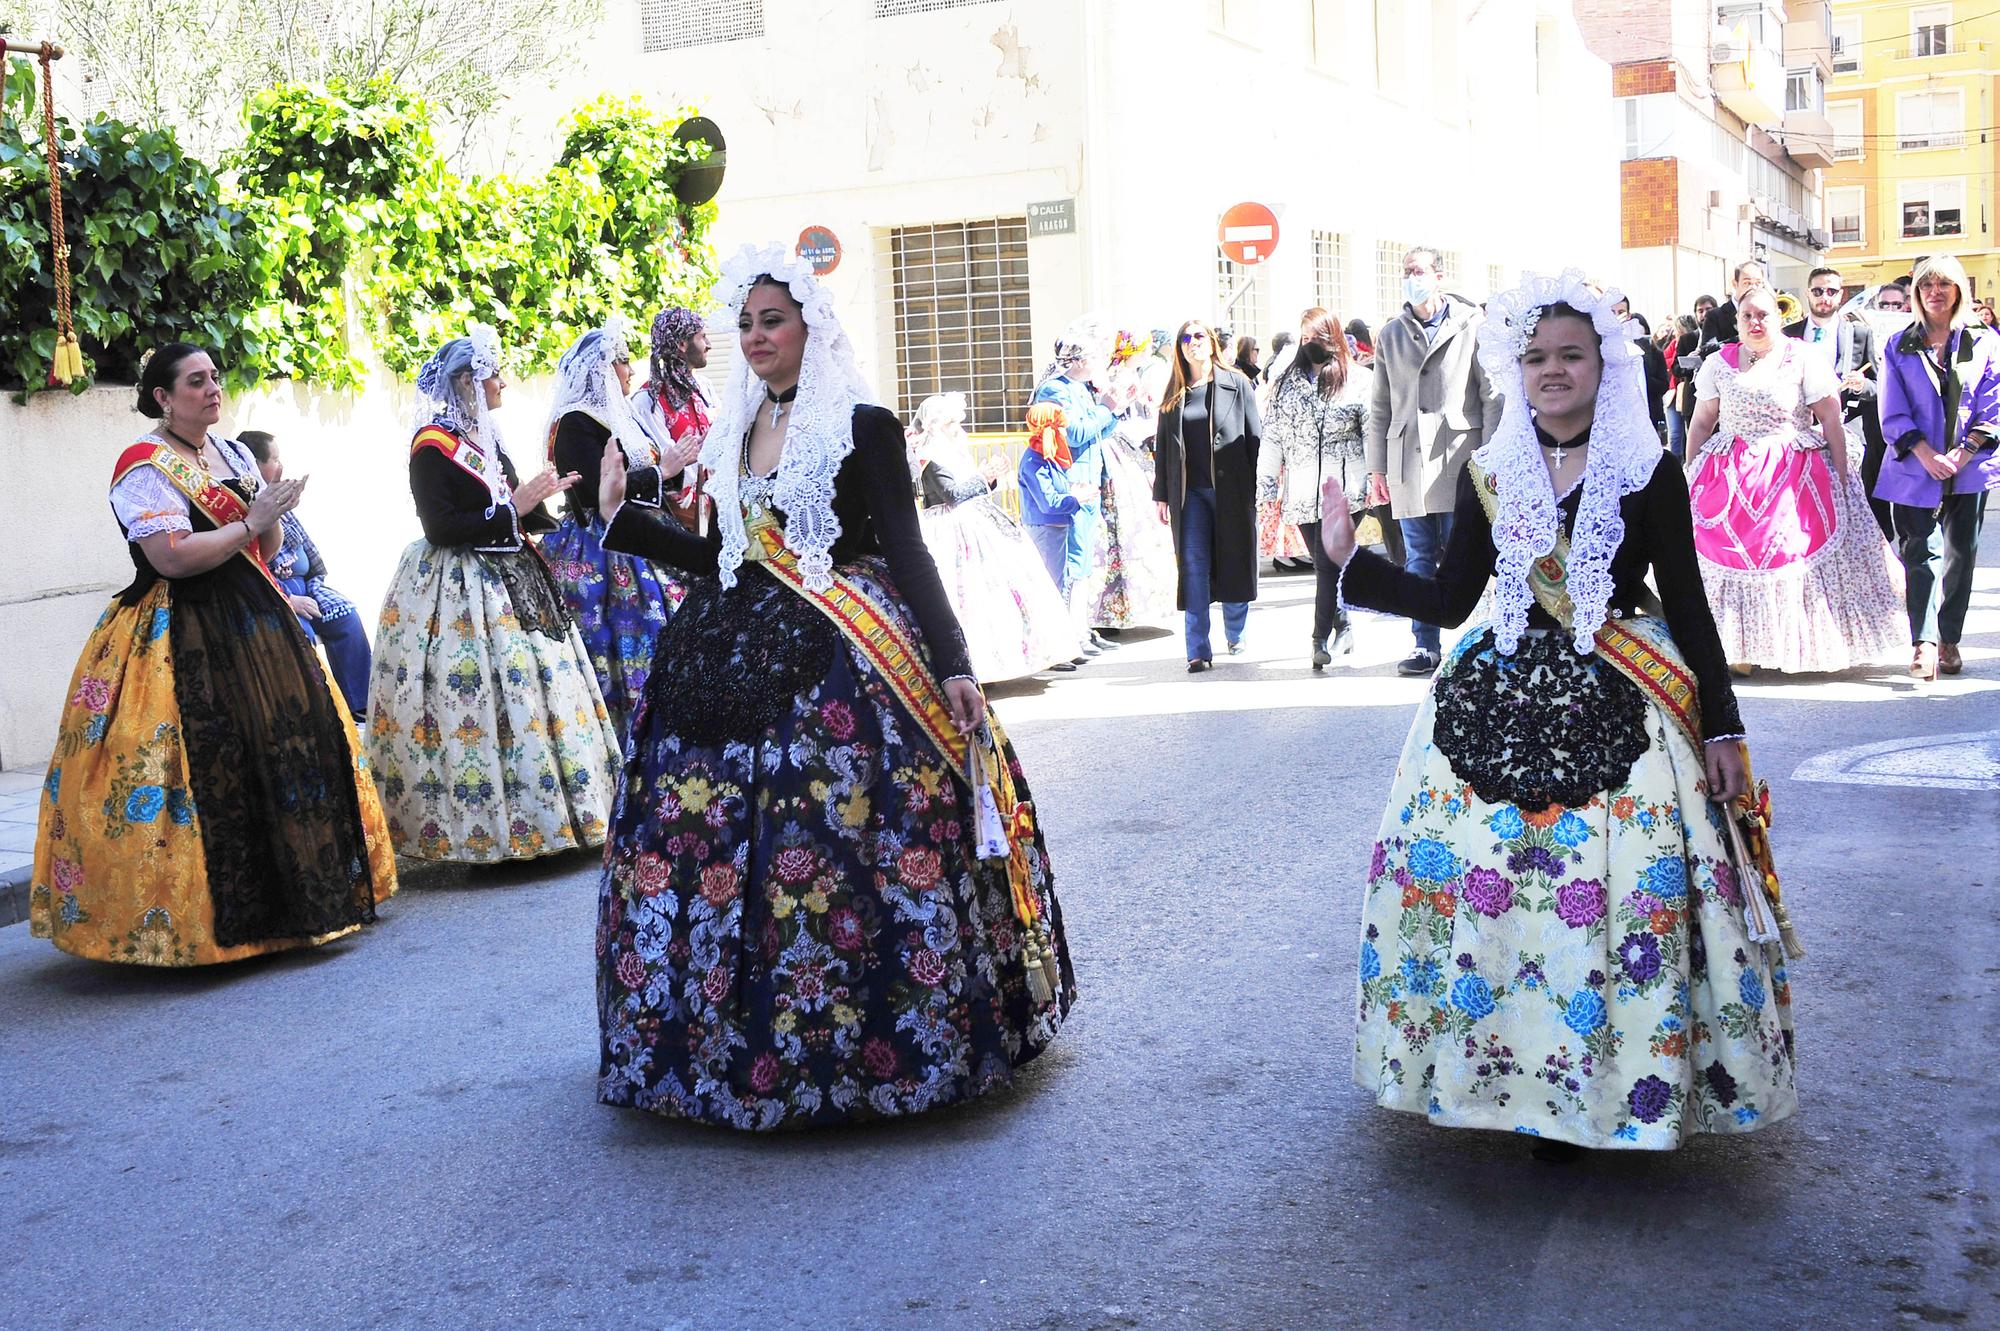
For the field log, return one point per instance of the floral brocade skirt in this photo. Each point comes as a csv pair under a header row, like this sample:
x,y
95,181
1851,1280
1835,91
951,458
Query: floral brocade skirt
x,y
619,603
207,800
488,735
1012,615
1137,576
793,926
1581,969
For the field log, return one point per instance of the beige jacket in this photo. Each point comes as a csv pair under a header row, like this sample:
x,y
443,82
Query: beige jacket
x,y
1432,406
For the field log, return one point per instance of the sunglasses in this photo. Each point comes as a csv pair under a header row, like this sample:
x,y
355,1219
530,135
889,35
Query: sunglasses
x,y
1193,337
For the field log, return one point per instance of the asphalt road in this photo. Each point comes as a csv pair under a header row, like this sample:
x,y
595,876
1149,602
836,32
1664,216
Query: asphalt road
x,y
400,1131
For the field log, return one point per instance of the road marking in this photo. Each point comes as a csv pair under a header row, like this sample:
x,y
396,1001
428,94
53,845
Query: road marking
x,y
1968,761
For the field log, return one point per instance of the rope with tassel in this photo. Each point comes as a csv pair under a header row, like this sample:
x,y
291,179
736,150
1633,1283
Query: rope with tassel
x,y
67,362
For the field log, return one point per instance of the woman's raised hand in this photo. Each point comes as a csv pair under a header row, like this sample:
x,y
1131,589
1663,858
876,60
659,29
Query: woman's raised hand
x,y
682,453
611,479
273,501
1336,524
540,487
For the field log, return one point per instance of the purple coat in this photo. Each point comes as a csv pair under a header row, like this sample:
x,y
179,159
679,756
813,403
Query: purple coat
x,y
1913,409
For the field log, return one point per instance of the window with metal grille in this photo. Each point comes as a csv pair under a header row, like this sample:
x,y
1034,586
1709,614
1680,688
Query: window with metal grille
x,y
898,8
669,25
1330,271
959,291
1239,299
1496,279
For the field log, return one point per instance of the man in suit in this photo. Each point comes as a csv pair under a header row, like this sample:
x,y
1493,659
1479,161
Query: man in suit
x,y
1720,325
1431,406
1848,345
1641,334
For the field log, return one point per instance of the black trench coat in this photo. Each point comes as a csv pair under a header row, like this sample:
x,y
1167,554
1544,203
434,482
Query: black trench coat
x,y
1238,432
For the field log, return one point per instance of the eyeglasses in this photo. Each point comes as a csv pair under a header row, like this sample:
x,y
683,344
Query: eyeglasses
x,y
1824,291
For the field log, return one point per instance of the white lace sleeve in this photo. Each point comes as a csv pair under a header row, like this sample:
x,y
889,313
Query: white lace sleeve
x,y
146,504
1706,387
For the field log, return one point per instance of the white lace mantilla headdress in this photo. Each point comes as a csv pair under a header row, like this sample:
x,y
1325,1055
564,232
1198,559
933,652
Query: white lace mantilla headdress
x,y
937,434
586,382
1624,451
438,402
819,423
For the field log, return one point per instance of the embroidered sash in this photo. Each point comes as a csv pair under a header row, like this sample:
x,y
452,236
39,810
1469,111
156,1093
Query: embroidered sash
x,y
1652,662
878,634
467,456
217,502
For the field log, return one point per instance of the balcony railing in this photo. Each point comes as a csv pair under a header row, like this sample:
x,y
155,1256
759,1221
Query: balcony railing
x,y
1953,138
1931,50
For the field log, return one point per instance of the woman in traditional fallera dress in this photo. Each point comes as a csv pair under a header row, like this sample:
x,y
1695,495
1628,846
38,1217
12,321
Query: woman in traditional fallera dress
x,y
1797,573
618,603
805,916
1008,607
207,800
1554,932
1135,565
488,733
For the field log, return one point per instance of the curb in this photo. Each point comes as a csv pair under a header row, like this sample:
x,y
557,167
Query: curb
x,y
14,895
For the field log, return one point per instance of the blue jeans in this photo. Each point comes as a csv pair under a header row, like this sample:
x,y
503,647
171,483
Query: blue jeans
x,y
1676,435
1423,546
1197,564
1051,543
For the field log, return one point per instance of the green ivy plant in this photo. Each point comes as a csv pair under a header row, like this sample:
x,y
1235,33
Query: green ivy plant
x,y
157,251
340,219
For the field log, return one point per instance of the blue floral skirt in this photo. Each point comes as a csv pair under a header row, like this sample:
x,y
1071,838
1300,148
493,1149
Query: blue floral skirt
x,y
619,602
1555,955
793,926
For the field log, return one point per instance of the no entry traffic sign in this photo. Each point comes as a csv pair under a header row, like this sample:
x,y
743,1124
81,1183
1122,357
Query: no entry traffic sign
x,y
1248,233
819,247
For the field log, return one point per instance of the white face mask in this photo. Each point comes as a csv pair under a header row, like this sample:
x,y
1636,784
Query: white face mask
x,y
1418,288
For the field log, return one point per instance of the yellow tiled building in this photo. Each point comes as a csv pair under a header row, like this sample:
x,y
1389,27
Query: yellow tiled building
x,y
1912,103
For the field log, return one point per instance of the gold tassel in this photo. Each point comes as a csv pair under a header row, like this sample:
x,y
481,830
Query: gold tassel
x,y
75,352
59,363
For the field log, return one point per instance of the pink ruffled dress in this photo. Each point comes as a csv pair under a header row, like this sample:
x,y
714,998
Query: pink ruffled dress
x,y
1797,573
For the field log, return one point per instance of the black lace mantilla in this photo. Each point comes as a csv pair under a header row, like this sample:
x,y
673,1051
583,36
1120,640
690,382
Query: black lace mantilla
x,y
1544,726
532,590
731,661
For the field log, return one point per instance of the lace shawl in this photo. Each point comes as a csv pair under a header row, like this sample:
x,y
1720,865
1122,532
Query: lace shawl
x,y
1624,451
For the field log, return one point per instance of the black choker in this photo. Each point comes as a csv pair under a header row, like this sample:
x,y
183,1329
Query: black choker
x,y
785,396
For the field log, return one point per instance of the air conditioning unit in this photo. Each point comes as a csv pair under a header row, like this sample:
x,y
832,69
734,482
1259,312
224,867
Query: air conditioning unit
x,y
1728,46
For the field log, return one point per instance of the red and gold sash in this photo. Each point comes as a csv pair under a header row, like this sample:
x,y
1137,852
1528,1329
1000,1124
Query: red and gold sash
x,y
217,502
467,456
1650,660
879,635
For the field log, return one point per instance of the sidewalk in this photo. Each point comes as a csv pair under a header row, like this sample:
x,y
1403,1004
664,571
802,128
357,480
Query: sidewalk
x,y
20,801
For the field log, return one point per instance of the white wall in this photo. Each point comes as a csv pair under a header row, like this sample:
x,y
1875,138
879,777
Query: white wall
x,y
66,558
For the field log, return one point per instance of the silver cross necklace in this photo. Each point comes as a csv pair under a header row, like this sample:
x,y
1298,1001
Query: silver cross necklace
x,y
779,401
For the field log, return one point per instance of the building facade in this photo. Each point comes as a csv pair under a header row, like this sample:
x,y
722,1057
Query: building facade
x,y
1722,109
987,170
1912,104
